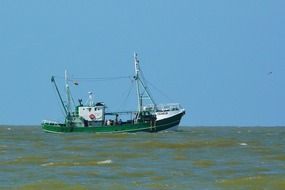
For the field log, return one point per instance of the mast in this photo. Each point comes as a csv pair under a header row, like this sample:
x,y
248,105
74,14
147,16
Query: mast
x,y
140,84
136,77
68,96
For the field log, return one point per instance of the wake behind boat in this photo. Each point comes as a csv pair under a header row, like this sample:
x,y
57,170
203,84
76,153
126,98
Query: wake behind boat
x,y
92,117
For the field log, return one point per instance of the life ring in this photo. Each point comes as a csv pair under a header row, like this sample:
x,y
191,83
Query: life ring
x,y
92,116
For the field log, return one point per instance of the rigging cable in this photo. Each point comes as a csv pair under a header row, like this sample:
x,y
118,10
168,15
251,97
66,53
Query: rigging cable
x,y
128,94
97,79
160,91
146,86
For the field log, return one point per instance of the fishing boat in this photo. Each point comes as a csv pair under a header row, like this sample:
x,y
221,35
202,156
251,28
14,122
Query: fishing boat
x,y
92,116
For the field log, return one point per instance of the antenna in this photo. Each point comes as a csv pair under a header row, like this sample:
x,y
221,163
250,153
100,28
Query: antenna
x,y
90,99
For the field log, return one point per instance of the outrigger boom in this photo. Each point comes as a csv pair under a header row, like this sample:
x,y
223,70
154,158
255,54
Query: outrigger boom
x,y
56,88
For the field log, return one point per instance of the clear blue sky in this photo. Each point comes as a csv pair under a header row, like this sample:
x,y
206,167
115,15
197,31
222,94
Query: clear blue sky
x,y
214,57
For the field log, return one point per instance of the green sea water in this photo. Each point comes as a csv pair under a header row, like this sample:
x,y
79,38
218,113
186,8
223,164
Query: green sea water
x,y
192,158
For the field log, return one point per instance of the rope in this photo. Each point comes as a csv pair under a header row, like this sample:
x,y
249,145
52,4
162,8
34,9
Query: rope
x,y
160,91
128,94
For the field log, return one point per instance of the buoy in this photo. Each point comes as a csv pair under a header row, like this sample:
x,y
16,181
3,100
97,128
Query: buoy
x,y
92,116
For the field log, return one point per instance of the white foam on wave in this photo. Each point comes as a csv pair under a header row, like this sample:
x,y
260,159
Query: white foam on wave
x,y
105,162
243,144
77,163
48,164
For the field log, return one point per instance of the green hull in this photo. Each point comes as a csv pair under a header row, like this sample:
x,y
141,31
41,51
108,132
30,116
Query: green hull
x,y
160,125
